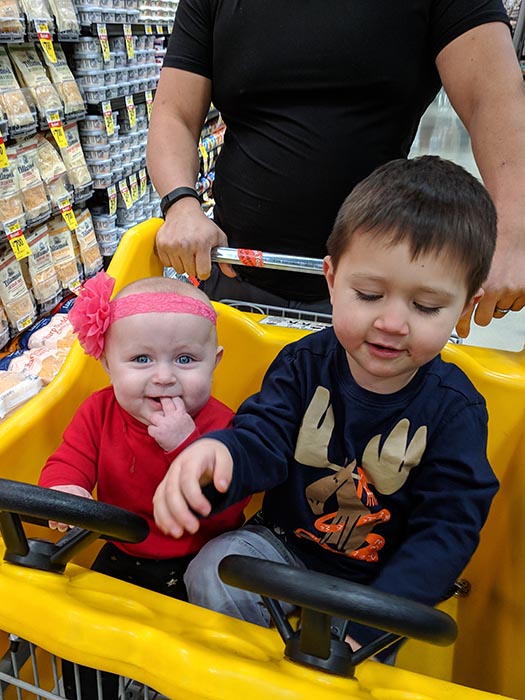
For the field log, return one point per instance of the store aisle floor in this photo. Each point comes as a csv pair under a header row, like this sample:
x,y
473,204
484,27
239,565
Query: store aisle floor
x,y
442,133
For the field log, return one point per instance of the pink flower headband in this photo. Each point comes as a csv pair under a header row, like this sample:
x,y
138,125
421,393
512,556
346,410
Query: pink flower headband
x,y
93,312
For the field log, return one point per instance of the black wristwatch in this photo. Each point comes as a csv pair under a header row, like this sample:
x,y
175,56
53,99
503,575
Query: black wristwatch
x,y
174,196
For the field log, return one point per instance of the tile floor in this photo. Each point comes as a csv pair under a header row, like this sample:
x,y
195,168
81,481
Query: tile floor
x,y
442,133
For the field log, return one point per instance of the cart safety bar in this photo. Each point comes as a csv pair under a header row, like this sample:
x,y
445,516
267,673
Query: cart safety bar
x,y
273,261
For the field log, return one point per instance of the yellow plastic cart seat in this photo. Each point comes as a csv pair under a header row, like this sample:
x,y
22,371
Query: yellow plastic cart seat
x,y
186,652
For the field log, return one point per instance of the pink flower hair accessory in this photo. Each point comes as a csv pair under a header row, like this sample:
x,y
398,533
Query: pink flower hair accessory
x,y
91,313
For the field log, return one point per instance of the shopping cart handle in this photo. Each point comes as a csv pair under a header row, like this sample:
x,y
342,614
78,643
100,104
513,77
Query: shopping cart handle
x,y
321,596
90,519
273,261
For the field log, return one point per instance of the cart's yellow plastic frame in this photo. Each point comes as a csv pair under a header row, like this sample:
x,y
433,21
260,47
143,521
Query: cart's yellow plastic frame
x,y
186,652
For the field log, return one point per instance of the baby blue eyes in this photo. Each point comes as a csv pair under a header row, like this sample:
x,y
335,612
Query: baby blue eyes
x,y
184,360
144,360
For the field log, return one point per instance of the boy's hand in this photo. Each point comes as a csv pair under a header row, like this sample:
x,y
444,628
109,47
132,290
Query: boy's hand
x,y
76,491
179,500
172,425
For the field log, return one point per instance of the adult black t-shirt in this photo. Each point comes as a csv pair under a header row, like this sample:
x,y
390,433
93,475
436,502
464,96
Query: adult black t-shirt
x,y
315,95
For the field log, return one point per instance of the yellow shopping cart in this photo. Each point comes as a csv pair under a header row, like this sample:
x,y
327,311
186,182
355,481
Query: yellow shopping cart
x,y
181,651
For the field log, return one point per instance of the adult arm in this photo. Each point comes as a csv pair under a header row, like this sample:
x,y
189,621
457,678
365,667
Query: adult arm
x,y
482,77
187,236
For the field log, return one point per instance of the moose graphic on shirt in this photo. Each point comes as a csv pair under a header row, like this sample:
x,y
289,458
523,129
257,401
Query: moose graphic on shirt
x,y
350,530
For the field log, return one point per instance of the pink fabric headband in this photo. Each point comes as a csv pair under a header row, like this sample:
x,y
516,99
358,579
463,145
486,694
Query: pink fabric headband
x,y
93,312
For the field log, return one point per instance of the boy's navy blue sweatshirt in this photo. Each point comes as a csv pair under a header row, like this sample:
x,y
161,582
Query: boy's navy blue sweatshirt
x,y
387,490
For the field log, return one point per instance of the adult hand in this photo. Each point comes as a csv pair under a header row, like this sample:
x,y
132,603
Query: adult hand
x,y
185,239
171,426
504,288
76,491
178,500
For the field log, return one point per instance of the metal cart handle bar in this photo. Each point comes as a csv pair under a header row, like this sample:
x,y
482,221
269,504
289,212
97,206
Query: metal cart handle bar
x,y
321,596
273,261
91,519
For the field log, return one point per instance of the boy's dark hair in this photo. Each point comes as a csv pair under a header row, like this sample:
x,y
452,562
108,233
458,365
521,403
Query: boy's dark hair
x,y
432,204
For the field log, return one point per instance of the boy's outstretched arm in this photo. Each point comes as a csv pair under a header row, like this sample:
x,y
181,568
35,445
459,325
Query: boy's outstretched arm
x,y
178,501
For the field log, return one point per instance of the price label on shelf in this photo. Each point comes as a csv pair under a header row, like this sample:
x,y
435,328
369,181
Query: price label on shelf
x,y
102,32
46,42
124,191
112,200
149,102
143,180
148,29
134,186
17,240
4,160
108,118
66,209
128,38
160,29
55,124
132,113
170,27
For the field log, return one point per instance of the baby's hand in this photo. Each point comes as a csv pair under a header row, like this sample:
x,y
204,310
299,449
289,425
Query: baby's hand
x,y
172,425
76,491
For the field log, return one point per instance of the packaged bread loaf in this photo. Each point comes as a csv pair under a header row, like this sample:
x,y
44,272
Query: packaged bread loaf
x,y
74,160
12,99
38,10
32,190
15,389
11,209
5,335
53,172
56,333
43,275
67,23
31,73
65,83
42,362
61,244
87,242
16,297
11,21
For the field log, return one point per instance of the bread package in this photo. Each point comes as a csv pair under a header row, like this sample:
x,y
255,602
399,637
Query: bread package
x,y
15,389
16,297
32,73
74,160
87,242
64,81
12,99
43,275
32,190
12,25
42,362
61,244
67,22
11,209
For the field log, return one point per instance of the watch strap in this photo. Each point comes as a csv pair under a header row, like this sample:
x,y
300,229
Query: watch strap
x,y
178,193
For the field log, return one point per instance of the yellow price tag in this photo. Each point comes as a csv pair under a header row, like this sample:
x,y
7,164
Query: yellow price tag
x,y
149,102
55,124
128,37
112,199
17,240
132,113
67,212
148,29
204,154
134,185
4,160
108,118
143,179
104,43
46,42
160,29
124,191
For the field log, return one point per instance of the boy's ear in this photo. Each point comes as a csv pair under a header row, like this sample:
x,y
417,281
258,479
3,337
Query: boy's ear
x,y
329,273
472,302
218,356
